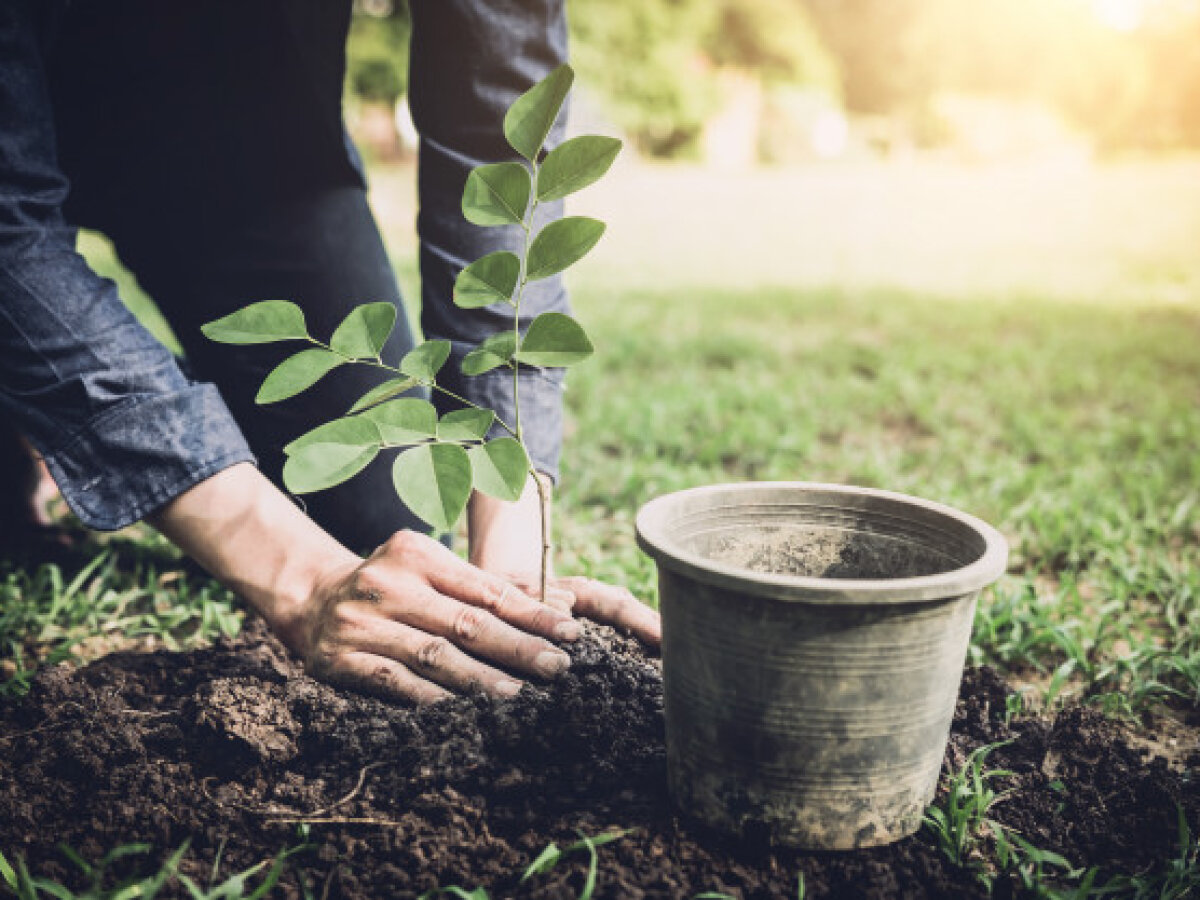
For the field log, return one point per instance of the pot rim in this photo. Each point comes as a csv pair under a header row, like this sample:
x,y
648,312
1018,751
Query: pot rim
x,y
991,564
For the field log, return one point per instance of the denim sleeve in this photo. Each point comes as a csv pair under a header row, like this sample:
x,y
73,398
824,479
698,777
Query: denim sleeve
x,y
470,60
122,429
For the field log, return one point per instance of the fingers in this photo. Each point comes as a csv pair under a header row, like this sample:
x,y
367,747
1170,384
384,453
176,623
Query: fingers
x,y
435,657
381,677
614,606
504,601
480,633
407,553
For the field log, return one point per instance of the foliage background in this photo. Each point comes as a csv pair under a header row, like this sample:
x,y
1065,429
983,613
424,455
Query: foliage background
x,y
1123,74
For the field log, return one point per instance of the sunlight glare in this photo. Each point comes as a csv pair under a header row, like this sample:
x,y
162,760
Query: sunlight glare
x,y
1120,15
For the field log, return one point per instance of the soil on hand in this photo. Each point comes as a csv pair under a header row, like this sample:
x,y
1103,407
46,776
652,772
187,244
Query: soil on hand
x,y
231,747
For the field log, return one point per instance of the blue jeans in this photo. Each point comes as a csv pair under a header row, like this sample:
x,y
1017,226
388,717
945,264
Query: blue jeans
x,y
206,140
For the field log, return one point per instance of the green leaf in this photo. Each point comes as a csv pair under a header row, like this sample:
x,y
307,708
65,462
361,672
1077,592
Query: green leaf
x,y
363,333
589,882
54,889
490,279
546,860
317,466
8,873
404,421
393,387
500,468
434,481
495,350
425,360
330,454
554,339
532,115
468,424
576,164
355,431
297,373
560,244
496,194
259,323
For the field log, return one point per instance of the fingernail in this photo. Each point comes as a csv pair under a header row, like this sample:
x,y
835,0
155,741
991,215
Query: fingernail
x,y
567,631
551,663
508,688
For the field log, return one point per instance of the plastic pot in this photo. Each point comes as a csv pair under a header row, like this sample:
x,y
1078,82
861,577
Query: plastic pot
x,y
814,638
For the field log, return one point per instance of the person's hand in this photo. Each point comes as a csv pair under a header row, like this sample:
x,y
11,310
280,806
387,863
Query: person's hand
x,y
506,540
415,621
412,621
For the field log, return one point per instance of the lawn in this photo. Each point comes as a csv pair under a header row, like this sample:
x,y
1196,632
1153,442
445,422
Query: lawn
x,y
1023,343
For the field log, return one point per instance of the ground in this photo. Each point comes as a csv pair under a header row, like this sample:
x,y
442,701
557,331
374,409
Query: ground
x,y
1019,343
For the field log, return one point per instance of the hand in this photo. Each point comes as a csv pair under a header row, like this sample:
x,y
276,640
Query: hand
x,y
506,540
411,621
415,621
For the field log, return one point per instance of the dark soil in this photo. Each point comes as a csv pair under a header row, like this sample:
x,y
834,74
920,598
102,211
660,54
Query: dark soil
x,y
231,746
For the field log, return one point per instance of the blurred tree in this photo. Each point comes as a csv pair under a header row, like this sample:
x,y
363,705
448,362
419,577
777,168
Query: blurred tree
x,y
654,62
1130,81
377,51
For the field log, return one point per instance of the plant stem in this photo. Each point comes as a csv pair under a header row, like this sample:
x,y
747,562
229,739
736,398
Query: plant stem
x,y
543,490
522,281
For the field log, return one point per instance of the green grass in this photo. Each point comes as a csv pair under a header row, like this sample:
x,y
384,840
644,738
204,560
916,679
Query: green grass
x,y
51,615
1073,428
148,880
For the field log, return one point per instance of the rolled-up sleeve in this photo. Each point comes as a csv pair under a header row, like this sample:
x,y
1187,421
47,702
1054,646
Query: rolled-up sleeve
x,y
123,430
470,60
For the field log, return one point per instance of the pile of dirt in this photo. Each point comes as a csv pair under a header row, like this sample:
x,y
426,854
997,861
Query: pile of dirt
x,y
231,747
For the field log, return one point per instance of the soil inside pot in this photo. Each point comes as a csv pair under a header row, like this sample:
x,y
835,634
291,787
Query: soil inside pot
x,y
231,746
819,552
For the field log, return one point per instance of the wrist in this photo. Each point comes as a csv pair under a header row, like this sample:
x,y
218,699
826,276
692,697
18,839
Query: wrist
x,y
250,537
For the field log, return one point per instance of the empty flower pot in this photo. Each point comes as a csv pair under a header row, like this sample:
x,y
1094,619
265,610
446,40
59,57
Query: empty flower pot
x,y
813,644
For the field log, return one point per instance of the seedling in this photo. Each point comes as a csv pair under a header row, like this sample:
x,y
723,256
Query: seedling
x,y
552,855
960,822
441,460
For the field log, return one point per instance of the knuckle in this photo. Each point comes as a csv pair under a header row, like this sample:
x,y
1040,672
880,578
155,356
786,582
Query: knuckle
x,y
367,586
495,597
434,653
403,544
468,624
342,618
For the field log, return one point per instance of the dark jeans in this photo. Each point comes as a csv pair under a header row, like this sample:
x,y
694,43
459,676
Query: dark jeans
x,y
205,139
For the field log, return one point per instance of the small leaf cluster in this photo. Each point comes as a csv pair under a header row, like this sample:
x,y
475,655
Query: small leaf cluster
x,y
443,458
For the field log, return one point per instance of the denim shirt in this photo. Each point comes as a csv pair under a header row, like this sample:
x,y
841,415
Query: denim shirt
x,y
121,426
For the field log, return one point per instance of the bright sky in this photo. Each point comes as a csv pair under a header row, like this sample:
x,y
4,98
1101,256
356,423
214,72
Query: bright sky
x,y
1128,15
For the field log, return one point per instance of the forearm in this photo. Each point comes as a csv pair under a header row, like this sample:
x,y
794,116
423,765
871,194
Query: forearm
x,y
248,535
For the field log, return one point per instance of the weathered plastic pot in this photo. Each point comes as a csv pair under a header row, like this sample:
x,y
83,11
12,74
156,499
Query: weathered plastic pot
x,y
814,638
